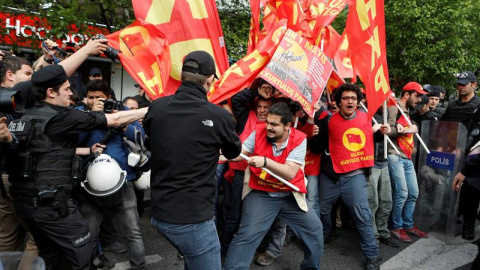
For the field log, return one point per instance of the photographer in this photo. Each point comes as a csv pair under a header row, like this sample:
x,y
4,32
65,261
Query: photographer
x,y
42,167
122,205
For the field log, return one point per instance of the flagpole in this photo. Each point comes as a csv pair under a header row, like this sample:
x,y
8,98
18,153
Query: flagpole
x,y
274,175
375,121
385,137
410,123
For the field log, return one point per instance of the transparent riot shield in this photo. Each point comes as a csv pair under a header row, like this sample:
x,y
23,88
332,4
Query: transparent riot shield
x,y
437,204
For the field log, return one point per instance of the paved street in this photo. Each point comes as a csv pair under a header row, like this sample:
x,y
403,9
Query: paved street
x,y
343,253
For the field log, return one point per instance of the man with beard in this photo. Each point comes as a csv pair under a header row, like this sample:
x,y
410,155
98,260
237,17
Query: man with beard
x,y
400,165
279,147
247,119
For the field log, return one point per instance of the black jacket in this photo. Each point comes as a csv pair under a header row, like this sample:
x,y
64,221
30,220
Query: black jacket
x,y
186,133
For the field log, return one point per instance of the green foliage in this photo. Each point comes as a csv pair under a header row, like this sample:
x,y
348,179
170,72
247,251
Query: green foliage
x,y
428,41
235,19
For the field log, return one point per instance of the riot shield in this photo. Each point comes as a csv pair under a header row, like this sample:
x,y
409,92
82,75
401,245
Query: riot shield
x,y
437,204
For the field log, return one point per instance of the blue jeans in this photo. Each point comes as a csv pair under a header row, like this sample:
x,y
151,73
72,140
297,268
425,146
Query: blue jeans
x,y
197,242
354,192
233,200
405,191
258,213
312,192
278,233
125,221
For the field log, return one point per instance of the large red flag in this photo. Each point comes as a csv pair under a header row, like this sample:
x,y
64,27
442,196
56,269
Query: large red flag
x,y
366,34
188,26
242,73
254,35
145,56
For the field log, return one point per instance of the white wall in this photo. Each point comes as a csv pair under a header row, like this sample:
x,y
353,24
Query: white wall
x,y
122,83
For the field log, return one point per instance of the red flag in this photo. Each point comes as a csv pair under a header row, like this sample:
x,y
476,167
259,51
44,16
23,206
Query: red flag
x,y
365,28
343,58
145,56
334,81
188,26
242,73
354,138
254,35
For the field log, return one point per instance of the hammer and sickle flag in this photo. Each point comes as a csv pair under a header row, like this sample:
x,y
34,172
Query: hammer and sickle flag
x,y
145,55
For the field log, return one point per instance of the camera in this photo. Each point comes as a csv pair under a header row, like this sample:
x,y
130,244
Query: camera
x,y
109,52
110,105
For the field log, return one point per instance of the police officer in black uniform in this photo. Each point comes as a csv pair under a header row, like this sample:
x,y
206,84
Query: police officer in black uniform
x,y
42,168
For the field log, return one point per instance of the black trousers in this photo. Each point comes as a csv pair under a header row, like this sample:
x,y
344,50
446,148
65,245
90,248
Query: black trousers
x,y
56,236
469,201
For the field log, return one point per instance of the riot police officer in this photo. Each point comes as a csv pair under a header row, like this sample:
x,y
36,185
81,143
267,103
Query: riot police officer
x,y
42,168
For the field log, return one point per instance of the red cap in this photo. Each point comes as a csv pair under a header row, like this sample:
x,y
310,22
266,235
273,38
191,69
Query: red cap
x,y
414,86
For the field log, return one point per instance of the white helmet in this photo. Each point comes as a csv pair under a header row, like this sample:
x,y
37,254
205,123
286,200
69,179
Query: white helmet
x,y
104,176
143,183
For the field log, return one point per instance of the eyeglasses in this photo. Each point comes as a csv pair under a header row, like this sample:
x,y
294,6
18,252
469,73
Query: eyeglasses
x,y
350,98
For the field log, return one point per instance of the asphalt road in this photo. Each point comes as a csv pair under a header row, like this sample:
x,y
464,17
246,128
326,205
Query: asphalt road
x,y
343,253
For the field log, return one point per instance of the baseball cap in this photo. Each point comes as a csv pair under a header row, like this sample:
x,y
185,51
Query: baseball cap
x,y
414,86
427,87
465,77
49,76
434,93
423,101
439,89
205,62
94,71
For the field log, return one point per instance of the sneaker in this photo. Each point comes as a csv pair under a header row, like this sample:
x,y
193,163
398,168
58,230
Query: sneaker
x,y
389,241
116,247
372,264
106,262
415,231
264,259
400,235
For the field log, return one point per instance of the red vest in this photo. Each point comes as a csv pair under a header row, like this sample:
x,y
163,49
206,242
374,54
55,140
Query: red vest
x,y
350,142
405,141
252,121
259,179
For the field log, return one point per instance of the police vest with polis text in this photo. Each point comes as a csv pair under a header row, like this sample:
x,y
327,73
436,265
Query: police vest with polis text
x,y
259,179
350,142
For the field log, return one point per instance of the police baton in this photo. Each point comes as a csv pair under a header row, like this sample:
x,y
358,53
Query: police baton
x,y
274,175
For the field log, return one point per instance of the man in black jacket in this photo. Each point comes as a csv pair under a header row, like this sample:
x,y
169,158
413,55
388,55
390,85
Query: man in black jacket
x,y
186,133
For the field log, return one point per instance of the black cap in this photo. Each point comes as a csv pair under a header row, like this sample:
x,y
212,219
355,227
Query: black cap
x,y
466,77
94,71
434,93
204,60
440,89
427,87
425,100
49,76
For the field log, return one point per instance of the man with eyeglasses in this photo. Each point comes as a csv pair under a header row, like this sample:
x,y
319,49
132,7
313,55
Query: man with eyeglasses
x,y
351,153
463,110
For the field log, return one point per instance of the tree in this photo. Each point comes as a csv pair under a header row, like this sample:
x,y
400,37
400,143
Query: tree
x,y
429,41
235,19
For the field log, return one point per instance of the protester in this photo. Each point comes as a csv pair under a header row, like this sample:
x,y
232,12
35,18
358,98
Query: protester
x,y
52,149
402,172
280,148
250,107
350,134
186,133
380,188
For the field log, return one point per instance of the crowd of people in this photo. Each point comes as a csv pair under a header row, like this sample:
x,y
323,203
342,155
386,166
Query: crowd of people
x,y
73,164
